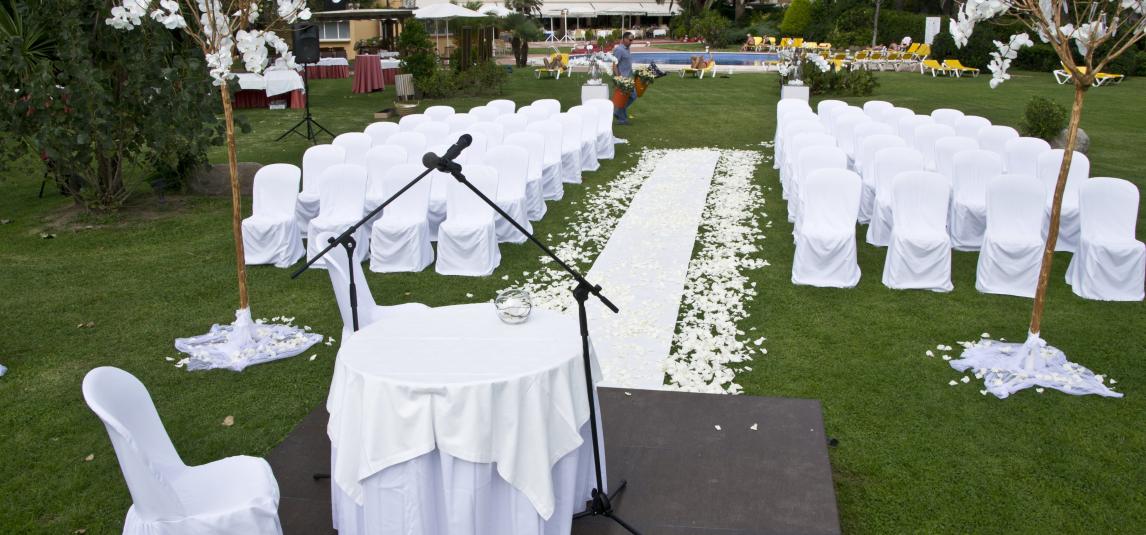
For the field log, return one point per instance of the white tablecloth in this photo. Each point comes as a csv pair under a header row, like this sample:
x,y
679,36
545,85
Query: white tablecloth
x,y
457,382
390,63
273,81
333,62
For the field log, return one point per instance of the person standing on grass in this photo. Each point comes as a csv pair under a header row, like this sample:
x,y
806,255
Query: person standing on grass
x,y
624,67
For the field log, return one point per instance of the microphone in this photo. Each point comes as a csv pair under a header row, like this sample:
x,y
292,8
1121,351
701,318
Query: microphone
x,y
445,162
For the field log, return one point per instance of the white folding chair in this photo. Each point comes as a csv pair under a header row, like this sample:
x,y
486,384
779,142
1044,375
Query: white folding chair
x,y
877,108
995,137
511,123
571,137
436,130
459,122
907,126
467,239
493,132
503,106
512,166
970,173
400,239
788,169
552,181
409,122
870,147
1047,166
343,201
232,495
589,128
826,242
534,145
484,113
1022,155
381,131
947,147
605,146
919,250
1013,242
970,125
550,106
413,142
1110,264
315,161
356,145
947,116
888,164
271,235
924,140
811,159
439,113
379,161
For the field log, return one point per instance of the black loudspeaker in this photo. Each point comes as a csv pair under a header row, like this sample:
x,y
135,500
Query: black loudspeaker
x,y
306,43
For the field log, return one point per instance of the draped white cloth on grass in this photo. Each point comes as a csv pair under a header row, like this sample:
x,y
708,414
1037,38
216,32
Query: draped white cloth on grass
x,y
1007,368
244,343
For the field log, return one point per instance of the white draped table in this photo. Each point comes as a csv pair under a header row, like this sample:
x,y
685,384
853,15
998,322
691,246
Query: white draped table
x,y
447,420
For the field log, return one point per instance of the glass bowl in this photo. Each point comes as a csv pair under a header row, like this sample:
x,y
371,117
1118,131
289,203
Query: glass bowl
x,y
513,305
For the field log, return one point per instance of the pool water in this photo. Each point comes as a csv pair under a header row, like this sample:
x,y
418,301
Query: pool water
x,y
722,58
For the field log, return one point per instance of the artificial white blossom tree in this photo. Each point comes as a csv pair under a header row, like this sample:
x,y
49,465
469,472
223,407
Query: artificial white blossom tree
x,y
1099,31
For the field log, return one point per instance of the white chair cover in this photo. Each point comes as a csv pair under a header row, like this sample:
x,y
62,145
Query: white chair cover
x,y
783,107
861,133
460,122
877,108
947,116
799,142
1012,251
845,130
484,113
972,171
839,114
493,132
503,106
552,182
467,239
826,242
549,106
534,145
357,144
571,126
605,143
1022,155
343,200
995,137
947,147
792,115
826,108
892,117
439,113
919,252
381,131
475,153
512,123
435,130
315,161
868,149
589,131
1110,264
1048,165
534,114
924,140
379,161
970,125
512,166
810,160
270,235
888,164
413,142
368,310
791,130
232,495
907,126
409,122
400,239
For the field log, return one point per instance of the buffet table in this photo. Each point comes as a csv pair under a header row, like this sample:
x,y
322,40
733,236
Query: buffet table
x,y
274,85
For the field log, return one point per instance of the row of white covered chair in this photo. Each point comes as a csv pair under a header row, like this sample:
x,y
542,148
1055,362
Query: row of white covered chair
x,y
532,153
863,140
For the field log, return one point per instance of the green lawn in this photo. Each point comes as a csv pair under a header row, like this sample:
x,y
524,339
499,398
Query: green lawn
x,y
914,454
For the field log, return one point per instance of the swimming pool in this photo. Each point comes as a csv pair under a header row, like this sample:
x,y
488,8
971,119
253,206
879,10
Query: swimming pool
x,y
722,58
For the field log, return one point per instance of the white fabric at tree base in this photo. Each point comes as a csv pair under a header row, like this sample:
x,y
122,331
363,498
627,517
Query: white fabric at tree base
x,y
271,235
826,243
1013,243
1110,264
643,269
458,380
439,493
244,343
1007,368
919,252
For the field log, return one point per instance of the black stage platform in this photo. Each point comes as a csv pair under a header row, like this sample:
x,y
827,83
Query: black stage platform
x,y
685,477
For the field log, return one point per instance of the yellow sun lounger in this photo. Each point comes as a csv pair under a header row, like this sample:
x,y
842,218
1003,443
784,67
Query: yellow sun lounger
x,y
710,69
1062,76
933,66
958,68
758,43
563,68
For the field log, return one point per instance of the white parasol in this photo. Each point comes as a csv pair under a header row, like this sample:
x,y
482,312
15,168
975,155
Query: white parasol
x,y
445,12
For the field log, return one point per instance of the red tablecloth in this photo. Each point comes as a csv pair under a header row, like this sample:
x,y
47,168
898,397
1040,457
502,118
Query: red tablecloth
x,y
252,98
368,74
388,75
316,72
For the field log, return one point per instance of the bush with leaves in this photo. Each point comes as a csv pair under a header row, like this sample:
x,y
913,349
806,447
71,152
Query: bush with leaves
x,y
711,26
417,52
796,18
523,30
943,47
845,83
1043,119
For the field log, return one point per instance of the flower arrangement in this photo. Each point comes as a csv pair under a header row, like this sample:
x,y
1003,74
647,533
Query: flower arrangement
x,y
645,74
624,84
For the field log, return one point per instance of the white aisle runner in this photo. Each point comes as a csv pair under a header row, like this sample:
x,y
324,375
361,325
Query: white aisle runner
x,y
643,267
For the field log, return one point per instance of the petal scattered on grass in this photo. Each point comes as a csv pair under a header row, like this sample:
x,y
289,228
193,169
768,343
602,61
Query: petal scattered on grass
x,y
228,421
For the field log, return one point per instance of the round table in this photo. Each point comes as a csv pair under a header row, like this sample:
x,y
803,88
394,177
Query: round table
x,y
447,419
368,74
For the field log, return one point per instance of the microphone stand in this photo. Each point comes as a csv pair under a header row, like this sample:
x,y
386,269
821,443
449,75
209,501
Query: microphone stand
x,y
601,503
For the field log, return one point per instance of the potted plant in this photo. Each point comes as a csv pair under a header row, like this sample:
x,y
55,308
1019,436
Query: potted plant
x,y
622,88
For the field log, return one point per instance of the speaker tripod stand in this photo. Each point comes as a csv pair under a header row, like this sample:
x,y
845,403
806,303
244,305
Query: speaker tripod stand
x,y
312,126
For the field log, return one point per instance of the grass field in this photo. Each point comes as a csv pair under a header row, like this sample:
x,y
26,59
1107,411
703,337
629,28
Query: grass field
x,y
914,454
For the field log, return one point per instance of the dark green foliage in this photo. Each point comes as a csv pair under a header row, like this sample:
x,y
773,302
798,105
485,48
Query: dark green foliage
x,y
1043,119
523,30
943,47
850,24
1140,63
93,100
839,83
417,51
711,26
796,18
484,78
1040,57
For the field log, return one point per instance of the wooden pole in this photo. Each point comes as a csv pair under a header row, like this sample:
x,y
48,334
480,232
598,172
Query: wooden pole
x,y
236,200
1080,88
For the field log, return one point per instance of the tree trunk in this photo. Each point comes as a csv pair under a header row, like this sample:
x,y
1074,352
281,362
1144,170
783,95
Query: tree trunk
x,y
1056,207
875,24
236,200
739,12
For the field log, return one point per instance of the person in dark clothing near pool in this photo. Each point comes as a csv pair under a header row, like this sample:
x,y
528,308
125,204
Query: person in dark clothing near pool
x,y
624,67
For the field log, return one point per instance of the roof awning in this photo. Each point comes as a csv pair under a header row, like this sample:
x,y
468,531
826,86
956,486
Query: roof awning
x,y
620,8
364,14
586,9
552,9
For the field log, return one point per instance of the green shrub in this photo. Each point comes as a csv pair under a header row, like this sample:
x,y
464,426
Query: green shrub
x,y
439,83
842,83
1140,63
796,18
943,47
417,52
711,26
1043,119
734,36
1040,57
